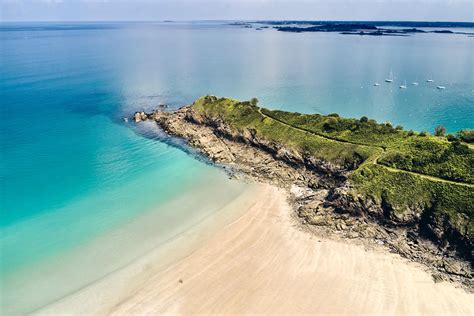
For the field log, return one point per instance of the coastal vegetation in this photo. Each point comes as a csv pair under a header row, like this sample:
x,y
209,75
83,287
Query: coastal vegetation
x,y
349,141
247,116
417,178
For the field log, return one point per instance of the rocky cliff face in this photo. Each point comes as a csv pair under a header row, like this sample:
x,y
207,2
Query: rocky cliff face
x,y
322,195
330,173
418,222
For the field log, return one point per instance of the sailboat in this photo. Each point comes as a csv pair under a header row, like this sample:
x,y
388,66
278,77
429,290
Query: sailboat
x,y
404,85
376,84
440,87
430,80
415,83
390,78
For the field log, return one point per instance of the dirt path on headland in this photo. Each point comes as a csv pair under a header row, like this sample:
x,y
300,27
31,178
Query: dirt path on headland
x,y
373,159
262,264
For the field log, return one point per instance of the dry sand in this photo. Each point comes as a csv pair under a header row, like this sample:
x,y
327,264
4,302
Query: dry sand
x,y
261,263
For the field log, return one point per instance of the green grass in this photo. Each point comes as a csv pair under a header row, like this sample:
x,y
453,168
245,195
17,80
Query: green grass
x,y
403,191
430,155
243,115
433,156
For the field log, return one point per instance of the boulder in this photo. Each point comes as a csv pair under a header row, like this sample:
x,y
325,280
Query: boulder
x,y
139,116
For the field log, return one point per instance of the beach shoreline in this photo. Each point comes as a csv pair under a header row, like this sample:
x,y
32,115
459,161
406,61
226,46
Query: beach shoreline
x,y
100,293
261,261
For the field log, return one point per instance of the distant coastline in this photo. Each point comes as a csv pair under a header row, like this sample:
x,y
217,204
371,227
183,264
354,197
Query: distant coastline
x,y
376,23
371,28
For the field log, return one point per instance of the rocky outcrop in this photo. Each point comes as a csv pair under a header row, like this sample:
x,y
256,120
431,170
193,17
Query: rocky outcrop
x,y
329,173
321,195
239,151
140,116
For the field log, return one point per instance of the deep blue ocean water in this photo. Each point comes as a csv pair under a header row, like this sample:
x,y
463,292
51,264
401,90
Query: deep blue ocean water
x,y
72,170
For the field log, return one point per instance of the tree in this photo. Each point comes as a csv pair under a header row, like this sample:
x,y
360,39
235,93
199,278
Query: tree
x,y
254,101
440,130
364,119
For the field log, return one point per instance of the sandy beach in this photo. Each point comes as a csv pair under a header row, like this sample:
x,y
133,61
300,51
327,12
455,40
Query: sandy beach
x,y
260,262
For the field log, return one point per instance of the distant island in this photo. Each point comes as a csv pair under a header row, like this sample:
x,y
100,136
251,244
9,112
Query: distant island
x,y
360,29
413,192
348,29
405,24
371,28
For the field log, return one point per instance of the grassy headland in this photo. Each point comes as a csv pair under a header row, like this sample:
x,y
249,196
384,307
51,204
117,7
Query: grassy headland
x,y
413,175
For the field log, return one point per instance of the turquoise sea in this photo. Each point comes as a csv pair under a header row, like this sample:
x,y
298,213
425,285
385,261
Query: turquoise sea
x,y
72,171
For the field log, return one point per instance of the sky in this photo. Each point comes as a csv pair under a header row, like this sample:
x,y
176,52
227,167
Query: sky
x,y
156,10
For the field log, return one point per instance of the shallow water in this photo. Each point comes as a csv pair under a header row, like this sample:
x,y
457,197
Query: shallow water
x,y
72,170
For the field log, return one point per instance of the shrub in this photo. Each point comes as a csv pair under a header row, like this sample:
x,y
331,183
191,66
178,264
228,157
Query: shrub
x,y
254,101
246,111
333,115
466,135
440,130
331,124
399,128
423,133
451,138
398,159
364,119
385,128
460,148
411,133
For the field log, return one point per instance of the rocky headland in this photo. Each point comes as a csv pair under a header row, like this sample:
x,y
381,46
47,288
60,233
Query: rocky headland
x,y
322,192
